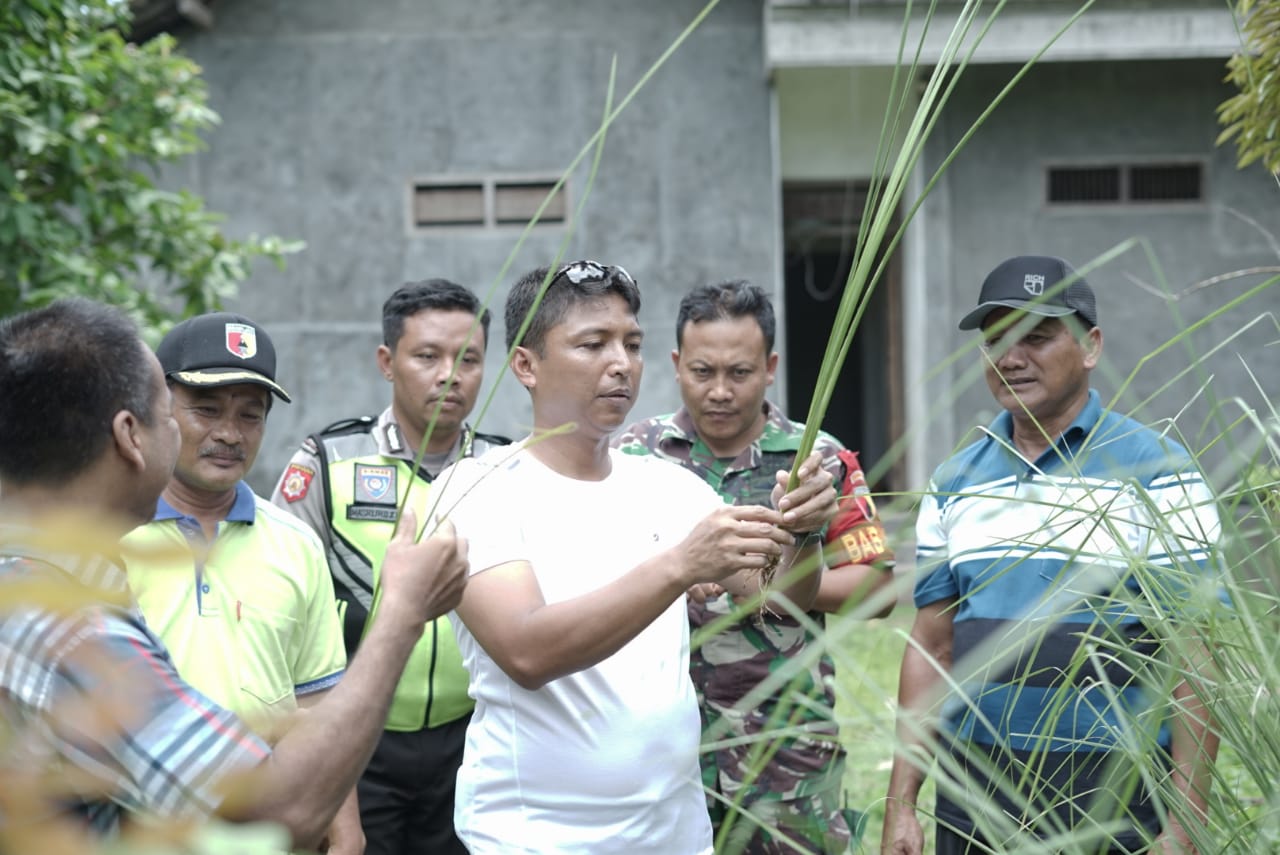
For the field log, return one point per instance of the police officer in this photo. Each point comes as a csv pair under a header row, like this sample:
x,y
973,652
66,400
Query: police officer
x,y
346,482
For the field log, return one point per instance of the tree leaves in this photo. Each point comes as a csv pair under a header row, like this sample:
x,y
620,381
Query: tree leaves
x,y
86,119
1252,118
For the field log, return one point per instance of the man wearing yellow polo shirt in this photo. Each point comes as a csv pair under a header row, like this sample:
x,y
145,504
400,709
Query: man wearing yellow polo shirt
x,y
238,590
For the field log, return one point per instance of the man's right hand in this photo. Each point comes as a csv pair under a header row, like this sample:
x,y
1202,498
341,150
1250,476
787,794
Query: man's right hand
x,y
426,578
734,538
902,833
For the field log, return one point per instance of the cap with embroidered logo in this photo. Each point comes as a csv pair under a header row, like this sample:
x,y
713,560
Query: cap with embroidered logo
x,y
1030,283
220,349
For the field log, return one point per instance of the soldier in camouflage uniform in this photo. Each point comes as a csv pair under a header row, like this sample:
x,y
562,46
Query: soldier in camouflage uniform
x,y
731,437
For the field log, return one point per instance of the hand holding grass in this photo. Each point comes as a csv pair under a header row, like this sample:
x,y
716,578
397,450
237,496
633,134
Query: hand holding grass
x,y
729,540
425,577
811,504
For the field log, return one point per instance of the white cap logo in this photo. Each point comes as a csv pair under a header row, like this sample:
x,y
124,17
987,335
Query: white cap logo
x,y
242,341
1033,284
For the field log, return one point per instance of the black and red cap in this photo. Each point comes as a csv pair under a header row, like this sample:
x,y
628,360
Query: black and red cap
x,y
220,349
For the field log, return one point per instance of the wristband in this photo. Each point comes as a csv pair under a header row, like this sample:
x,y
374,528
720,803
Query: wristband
x,y
807,538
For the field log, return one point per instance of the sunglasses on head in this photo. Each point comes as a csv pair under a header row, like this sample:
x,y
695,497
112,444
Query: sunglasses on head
x,y
578,272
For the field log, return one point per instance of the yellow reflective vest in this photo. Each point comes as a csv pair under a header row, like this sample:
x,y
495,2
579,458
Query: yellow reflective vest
x,y
362,489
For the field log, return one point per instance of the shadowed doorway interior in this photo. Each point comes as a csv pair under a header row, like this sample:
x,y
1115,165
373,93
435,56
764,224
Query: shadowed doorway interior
x,y
820,231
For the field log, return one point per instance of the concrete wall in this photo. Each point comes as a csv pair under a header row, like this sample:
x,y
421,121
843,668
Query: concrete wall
x,y
330,109
830,120
991,205
870,32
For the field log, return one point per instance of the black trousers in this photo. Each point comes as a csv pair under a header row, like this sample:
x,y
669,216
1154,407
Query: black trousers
x,y
406,793
950,842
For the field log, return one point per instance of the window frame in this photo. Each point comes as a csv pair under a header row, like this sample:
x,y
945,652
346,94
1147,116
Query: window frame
x,y
490,186
1124,167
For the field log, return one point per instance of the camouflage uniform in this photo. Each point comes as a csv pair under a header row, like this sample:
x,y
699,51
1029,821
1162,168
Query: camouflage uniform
x,y
799,789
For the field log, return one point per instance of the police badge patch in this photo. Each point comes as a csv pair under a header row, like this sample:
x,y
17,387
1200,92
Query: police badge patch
x,y
375,493
375,485
296,482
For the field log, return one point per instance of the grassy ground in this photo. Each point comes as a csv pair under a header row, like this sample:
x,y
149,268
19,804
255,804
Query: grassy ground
x,y
868,654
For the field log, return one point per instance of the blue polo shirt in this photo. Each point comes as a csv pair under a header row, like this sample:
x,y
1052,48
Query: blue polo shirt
x,y
1055,563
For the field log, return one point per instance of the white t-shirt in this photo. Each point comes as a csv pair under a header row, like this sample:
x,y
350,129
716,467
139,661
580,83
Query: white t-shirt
x,y
603,760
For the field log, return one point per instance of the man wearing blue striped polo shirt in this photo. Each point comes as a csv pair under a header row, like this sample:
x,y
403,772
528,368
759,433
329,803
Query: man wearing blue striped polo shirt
x,y
1041,548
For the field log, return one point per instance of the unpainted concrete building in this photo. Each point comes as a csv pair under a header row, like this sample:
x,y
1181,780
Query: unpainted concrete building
x,y
403,140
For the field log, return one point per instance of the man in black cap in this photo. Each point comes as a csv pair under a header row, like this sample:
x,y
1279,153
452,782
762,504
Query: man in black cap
x,y
238,590
1042,547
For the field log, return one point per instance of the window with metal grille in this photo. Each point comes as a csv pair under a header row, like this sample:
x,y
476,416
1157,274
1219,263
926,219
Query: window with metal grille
x,y
1174,182
485,202
1124,184
1084,184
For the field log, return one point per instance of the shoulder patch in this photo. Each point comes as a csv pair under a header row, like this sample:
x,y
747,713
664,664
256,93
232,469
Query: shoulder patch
x,y
296,482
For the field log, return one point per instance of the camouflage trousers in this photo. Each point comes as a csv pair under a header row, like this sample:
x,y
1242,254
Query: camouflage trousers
x,y
750,823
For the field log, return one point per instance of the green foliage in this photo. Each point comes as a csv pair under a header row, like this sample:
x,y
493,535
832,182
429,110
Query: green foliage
x,y
1252,118
81,112
86,120
1261,483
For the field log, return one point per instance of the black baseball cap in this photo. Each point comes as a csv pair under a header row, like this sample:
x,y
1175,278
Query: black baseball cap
x,y
220,349
1027,283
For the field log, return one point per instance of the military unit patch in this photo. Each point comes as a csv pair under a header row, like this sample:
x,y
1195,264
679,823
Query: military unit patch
x,y
865,544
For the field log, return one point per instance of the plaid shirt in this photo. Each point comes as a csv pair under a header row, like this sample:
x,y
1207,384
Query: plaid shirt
x,y
97,717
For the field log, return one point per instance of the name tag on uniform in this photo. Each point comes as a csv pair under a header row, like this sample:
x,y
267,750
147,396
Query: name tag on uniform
x,y
375,493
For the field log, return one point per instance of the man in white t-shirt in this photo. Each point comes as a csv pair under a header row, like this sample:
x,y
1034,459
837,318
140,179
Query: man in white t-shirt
x,y
585,733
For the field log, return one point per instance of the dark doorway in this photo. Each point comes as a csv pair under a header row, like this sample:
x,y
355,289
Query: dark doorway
x,y
820,228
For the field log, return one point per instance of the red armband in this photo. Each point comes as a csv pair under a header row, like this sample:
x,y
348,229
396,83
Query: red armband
x,y
856,527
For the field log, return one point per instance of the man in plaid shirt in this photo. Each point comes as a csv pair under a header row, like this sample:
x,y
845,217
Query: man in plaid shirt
x,y
98,723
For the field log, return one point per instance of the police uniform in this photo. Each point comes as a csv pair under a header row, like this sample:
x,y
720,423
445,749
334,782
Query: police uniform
x,y
346,482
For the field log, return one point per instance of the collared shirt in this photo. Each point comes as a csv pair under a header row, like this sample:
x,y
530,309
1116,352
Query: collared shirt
x,y
1050,558
250,617
92,690
740,480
